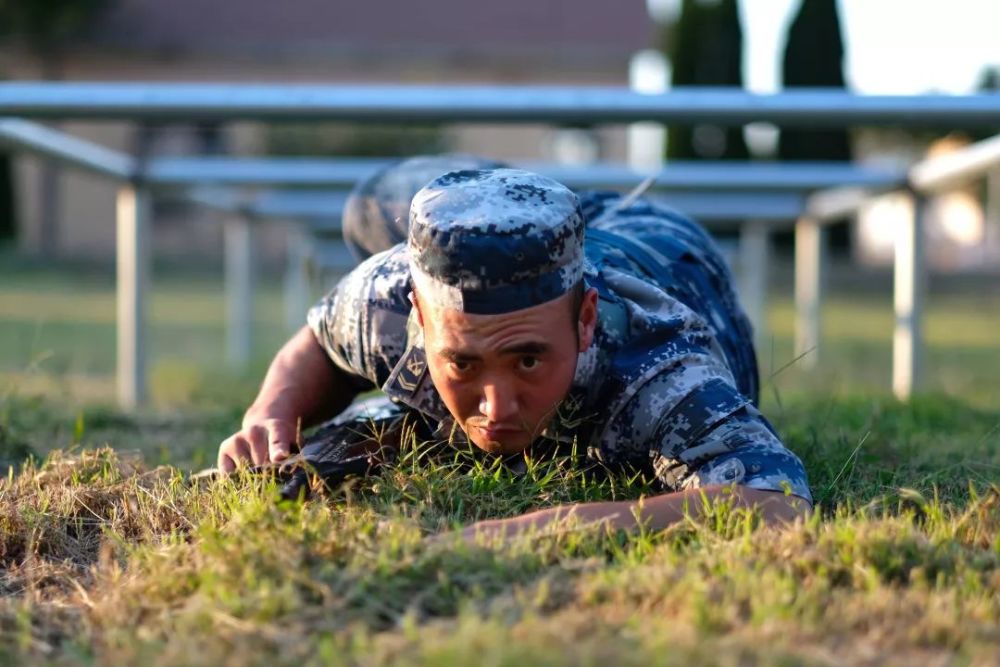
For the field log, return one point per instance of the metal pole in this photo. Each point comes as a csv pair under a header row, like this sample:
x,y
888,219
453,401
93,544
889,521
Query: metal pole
x,y
297,292
545,104
63,148
946,172
239,264
991,223
133,212
909,279
810,259
755,246
344,173
648,72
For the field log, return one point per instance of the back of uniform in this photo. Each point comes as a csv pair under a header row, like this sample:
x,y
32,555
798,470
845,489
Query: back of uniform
x,y
671,382
676,254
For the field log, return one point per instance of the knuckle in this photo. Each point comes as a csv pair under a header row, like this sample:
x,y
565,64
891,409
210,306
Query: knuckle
x,y
228,446
278,427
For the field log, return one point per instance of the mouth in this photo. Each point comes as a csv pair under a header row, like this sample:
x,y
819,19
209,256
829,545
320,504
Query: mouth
x,y
497,431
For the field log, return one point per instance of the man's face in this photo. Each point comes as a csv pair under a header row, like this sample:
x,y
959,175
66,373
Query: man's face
x,y
503,376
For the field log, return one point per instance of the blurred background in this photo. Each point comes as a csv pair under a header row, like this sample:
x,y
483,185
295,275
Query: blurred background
x,y
57,232
888,47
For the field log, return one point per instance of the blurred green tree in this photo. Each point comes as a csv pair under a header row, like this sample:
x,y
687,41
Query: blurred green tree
x,y
989,82
814,55
705,47
46,27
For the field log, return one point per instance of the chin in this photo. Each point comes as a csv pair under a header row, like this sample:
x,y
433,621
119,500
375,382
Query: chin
x,y
497,447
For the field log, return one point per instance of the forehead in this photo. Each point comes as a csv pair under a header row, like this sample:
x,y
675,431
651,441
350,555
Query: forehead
x,y
447,327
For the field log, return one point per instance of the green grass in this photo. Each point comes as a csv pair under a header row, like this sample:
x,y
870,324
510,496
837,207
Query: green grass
x,y
112,557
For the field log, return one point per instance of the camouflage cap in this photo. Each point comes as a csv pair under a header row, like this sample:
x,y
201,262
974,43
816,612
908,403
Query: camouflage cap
x,y
376,213
493,241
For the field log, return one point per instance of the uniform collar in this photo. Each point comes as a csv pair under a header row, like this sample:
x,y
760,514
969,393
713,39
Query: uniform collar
x,y
410,383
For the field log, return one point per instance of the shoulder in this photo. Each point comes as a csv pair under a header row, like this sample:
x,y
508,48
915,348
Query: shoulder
x,y
382,280
361,322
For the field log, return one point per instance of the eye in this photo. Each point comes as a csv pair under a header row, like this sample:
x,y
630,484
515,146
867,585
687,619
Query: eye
x,y
529,363
459,368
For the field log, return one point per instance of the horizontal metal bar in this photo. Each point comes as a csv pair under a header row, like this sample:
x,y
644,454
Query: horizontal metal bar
x,y
713,208
325,207
835,204
344,173
43,141
294,172
396,103
226,200
317,206
956,169
322,209
727,175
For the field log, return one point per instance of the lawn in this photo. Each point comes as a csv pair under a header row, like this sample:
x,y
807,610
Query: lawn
x,y
111,556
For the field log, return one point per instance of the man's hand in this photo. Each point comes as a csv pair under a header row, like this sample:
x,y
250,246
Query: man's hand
x,y
259,441
301,385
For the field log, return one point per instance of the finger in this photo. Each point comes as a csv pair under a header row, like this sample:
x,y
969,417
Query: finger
x,y
281,439
225,464
257,440
232,451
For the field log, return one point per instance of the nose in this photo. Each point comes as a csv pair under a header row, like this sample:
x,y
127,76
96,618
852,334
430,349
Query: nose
x,y
498,402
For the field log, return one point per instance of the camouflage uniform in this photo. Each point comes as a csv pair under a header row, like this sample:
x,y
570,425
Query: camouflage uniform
x,y
668,385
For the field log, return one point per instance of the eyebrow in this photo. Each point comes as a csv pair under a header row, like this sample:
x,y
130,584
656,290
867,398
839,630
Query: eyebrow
x,y
455,355
531,347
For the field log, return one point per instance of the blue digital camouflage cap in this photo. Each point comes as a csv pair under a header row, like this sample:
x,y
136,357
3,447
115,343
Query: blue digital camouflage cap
x,y
376,213
490,241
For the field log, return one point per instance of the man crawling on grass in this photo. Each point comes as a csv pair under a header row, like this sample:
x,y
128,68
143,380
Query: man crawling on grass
x,y
523,318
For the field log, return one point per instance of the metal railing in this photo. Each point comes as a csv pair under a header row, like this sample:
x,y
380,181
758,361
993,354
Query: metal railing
x,y
546,104
808,195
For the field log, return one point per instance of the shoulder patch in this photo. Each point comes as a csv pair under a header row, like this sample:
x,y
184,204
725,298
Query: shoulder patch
x,y
408,374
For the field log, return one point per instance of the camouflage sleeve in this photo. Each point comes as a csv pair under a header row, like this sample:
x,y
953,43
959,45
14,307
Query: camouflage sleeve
x,y
361,322
741,449
744,450
709,435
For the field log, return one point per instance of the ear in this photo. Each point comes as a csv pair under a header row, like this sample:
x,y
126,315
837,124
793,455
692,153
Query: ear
x,y
587,322
416,306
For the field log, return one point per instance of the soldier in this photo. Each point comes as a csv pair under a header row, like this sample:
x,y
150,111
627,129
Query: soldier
x,y
519,317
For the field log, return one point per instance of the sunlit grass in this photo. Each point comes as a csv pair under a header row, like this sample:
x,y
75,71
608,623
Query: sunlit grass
x,y
112,556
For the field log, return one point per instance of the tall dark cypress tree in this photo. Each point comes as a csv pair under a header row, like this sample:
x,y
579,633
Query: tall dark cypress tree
x,y
706,48
814,55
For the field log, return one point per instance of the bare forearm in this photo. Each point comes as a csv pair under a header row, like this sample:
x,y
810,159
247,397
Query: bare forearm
x,y
301,387
301,383
654,513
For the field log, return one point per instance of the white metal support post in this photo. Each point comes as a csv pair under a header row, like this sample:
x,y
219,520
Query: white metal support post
x,y
649,73
810,261
755,250
133,213
239,263
909,286
991,227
